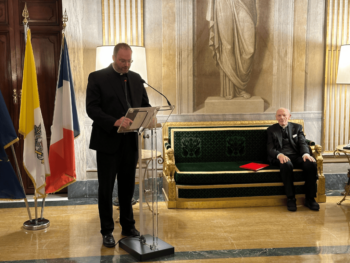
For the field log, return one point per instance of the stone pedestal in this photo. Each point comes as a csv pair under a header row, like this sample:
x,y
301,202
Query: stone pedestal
x,y
237,105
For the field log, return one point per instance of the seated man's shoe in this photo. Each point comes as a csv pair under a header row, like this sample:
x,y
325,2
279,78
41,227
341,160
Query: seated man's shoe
x,y
108,240
312,204
130,232
292,204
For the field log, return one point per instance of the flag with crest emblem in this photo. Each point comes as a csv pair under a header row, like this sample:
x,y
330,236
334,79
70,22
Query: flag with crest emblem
x,y
31,125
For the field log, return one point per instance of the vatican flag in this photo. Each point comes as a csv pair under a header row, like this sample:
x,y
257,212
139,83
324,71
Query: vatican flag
x,y
31,125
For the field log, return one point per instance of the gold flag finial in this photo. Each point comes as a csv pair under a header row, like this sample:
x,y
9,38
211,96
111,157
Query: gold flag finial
x,y
64,19
25,14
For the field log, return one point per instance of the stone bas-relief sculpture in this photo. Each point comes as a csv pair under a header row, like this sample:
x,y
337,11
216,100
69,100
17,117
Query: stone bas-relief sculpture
x,y
232,39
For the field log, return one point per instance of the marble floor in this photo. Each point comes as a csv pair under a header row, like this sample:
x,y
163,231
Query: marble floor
x,y
262,234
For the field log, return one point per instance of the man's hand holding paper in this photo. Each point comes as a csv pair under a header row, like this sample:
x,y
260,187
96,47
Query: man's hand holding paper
x,y
124,122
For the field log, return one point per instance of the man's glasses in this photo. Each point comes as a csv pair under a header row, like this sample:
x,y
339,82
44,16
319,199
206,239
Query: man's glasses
x,y
125,61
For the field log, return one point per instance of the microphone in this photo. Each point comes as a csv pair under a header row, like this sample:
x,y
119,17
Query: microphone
x,y
142,81
126,90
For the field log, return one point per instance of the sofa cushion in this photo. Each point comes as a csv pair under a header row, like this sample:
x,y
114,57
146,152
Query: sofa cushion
x,y
211,173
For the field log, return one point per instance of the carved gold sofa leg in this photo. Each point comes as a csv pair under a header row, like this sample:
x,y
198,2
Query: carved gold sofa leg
x,y
321,183
169,184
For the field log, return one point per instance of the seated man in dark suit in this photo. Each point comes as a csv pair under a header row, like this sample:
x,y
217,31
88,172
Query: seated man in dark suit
x,y
287,149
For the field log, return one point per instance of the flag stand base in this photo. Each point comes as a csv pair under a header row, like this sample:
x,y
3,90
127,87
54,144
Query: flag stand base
x,y
31,225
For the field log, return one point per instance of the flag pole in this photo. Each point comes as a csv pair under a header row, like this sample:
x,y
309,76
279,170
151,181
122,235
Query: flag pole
x,y
21,182
25,14
64,20
42,209
36,208
31,224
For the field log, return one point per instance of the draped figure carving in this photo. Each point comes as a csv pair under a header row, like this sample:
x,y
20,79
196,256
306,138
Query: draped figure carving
x,y
232,40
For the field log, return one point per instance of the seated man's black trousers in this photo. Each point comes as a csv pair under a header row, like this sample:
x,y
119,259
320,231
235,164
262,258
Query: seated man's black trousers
x,y
309,174
123,165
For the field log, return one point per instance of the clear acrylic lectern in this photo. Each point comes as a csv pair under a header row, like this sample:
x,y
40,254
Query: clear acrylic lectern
x,y
148,245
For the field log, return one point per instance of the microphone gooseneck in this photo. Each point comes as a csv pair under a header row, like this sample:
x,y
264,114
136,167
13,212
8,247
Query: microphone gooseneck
x,y
142,81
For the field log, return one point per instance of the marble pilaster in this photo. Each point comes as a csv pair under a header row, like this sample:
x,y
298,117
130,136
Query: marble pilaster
x,y
184,56
283,54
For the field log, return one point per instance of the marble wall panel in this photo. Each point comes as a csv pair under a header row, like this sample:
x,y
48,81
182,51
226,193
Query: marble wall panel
x,y
315,59
336,181
169,50
335,168
152,35
261,81
91,163
299,53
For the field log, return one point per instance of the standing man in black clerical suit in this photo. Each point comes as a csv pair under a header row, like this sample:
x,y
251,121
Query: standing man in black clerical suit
x,y
287,149
110,93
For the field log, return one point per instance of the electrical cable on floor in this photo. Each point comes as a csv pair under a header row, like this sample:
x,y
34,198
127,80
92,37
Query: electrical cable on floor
x,y
138,237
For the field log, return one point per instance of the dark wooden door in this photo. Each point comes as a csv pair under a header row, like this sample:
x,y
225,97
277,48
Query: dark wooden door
x,y
8,67
45,24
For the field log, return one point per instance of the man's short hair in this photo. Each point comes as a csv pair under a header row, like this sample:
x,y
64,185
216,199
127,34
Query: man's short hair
x,y
120,46
284,109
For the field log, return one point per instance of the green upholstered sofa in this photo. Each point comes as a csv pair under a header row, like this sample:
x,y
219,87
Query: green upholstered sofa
x,y
201,166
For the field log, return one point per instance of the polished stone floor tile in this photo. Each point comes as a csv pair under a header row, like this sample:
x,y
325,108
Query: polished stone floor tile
x,y
261,234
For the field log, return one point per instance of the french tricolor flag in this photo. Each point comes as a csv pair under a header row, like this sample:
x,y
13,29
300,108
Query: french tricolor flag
x,y
64,130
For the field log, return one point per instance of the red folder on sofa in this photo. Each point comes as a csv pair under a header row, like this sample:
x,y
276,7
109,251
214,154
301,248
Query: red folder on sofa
x,y
254,166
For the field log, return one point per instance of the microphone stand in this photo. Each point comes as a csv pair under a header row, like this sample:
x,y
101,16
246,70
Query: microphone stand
x,y
157,91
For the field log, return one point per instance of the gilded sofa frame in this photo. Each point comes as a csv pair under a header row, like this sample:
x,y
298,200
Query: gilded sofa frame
x,y
170,189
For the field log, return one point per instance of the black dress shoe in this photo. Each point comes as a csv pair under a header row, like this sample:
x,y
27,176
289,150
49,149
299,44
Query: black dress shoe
x,y
312,204
130,232
292,204
108,240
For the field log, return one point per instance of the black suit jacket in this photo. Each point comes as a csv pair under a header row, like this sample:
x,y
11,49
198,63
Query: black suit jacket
x,y
296,138
106,103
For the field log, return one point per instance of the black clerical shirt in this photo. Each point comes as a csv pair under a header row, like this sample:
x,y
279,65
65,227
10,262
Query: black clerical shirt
x,y
120,83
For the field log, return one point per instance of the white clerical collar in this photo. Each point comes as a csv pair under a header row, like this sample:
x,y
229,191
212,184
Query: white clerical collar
x,y
121,74
283,127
